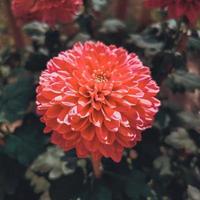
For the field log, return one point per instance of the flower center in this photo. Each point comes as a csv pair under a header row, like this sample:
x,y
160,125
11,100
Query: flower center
x,y
99,76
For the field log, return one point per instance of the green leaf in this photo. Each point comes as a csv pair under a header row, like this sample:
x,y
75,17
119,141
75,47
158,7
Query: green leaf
x,y
35,29
162,119
98,191
15,98
36,61
26,143
194,43
136,188
182,80
67,187
101,192
189,120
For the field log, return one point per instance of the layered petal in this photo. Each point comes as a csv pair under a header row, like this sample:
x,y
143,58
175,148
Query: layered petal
x,y
97,99
178,8
49,11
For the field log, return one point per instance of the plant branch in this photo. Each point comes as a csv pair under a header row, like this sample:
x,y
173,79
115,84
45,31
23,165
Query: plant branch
x,y
15,29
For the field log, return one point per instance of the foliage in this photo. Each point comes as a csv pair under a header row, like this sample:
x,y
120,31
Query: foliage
x,y
15,97
163,166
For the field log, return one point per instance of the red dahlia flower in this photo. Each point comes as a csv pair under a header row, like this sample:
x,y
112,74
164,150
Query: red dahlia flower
x,y
97,99
178,8
49,11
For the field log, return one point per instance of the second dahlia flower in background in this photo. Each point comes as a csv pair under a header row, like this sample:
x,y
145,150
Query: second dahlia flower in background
x,y
178,8
96,99
49,11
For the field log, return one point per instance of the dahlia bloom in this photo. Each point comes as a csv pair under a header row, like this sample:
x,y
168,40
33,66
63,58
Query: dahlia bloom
x,y
96,99
49,11
178,8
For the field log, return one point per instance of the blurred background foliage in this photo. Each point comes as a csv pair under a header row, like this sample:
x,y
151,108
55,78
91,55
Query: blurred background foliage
x,y
164,166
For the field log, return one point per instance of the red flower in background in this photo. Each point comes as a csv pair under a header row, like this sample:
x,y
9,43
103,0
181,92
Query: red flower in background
x,y
49,11
178,8
97,99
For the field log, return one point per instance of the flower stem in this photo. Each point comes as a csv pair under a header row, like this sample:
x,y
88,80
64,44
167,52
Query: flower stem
x,y
182,44
97,167
183,39
2,142
145,18
15,29
122,8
